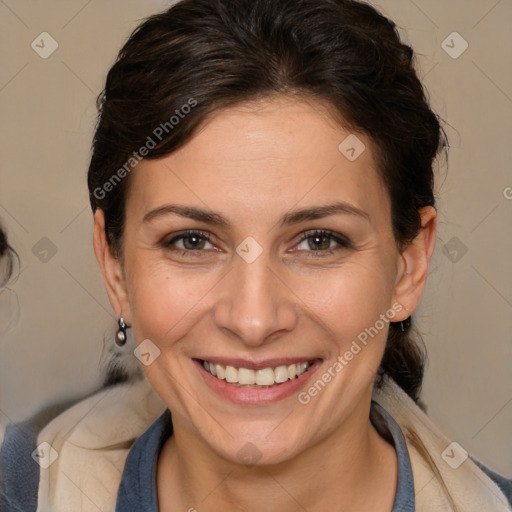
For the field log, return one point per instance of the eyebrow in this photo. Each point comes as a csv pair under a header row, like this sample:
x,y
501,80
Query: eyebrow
x,y
290,218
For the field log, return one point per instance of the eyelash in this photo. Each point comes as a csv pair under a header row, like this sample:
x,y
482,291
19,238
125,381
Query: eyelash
x,y
344,243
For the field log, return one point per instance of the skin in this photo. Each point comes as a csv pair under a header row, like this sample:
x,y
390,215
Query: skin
x,y
252,164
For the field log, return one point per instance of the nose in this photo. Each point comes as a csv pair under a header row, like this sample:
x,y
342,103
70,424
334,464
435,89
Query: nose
x,y
255,304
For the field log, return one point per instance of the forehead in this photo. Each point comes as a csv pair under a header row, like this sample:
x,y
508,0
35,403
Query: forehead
x,y
264,157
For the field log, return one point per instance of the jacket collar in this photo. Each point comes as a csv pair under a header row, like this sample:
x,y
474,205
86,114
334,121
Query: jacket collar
x,y
93,439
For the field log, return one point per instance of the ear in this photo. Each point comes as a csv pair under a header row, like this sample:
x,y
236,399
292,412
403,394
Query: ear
x,y
111,268
412,277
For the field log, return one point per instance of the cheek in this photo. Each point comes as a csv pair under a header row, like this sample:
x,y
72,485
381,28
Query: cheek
x,y
347,299
165,303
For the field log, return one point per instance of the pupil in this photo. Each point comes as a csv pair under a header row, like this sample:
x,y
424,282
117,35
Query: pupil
x,y
318,241
195,242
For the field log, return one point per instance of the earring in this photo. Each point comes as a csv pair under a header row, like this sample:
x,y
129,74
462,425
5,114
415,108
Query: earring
x,y
121,333
404,324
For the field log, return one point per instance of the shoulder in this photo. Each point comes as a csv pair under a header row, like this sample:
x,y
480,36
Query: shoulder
x,y
86,446
443,472
505,484
19,470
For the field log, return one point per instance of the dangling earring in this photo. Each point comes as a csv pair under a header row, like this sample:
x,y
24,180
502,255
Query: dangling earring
x,y
121,333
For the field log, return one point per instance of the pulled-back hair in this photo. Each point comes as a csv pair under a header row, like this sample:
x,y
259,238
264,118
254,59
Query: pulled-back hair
x,y
199,56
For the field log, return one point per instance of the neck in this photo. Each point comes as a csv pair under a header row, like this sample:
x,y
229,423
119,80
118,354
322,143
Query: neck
x,y
352,469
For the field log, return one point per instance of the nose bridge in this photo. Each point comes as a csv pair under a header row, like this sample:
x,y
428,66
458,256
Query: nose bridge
x,y
255,304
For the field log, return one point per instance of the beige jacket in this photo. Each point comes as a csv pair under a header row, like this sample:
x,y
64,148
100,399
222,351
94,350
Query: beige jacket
x,y
93,438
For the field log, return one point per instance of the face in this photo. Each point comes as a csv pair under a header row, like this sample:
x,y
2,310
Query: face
x,y
260,245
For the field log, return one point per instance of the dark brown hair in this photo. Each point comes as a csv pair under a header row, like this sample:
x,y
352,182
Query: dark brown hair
x,y
8,259
211,54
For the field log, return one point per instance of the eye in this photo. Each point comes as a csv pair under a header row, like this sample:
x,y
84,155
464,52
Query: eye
x,y
189,241
318,241
323,241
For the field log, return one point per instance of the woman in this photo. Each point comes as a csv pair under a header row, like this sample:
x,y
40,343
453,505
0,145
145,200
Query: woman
x,y
264,217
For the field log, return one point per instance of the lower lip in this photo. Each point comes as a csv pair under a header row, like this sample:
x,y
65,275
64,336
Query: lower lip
x,y
256,396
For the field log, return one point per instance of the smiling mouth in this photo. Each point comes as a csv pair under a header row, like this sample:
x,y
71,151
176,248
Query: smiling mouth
x,y
263,378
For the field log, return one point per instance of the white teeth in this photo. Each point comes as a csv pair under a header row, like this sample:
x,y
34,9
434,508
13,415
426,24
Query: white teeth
x,y
231,374
220,371
264,377
246,376
301,368
281,374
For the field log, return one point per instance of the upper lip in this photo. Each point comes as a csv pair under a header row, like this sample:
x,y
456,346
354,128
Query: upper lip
x,y
256,365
